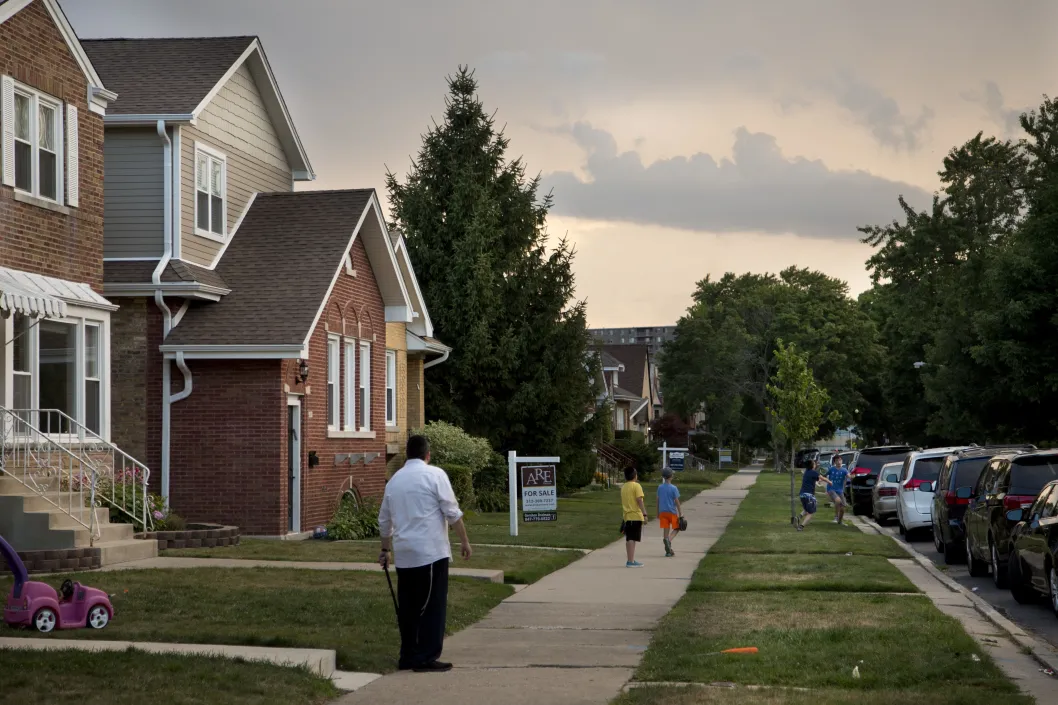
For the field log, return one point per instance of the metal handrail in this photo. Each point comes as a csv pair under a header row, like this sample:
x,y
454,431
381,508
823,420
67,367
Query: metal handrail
x,y
32,458
122,469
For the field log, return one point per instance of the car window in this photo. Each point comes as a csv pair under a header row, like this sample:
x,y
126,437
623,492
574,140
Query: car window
x,y
927,469
967,472
1052,503
874,461
985,481
906,469
945,472
1041,508
1029,477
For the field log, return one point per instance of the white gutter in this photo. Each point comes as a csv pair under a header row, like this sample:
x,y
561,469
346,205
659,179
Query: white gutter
x,y
438,361
168,239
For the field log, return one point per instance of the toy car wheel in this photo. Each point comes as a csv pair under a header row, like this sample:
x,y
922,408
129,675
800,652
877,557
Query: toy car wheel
x,y
98,617
45,620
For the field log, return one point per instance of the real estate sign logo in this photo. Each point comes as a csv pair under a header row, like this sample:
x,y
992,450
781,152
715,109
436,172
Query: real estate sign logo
x,y
539,493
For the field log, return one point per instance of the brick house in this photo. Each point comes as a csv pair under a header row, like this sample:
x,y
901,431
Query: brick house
x,y
631,379
251,351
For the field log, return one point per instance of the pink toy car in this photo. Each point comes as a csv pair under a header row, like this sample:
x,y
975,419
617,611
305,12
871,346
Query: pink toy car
x,y
36,604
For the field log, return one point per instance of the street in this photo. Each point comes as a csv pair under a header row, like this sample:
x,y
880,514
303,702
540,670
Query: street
x,y
1036,619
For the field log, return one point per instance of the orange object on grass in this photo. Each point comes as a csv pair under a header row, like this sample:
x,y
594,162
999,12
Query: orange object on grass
x,y
741,650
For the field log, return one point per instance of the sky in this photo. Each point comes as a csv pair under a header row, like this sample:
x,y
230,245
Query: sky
x,y
680,138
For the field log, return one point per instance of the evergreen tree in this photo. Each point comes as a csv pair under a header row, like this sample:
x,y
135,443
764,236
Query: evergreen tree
x,y
519,373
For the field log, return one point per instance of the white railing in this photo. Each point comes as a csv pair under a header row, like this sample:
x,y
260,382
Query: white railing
x,y
117,480
52,471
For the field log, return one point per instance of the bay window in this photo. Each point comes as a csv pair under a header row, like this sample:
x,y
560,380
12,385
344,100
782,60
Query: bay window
x,y
333,402
365,386
391,388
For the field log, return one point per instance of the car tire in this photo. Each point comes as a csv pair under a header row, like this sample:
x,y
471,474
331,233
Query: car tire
x,y
900,526
1022,593
938,542
1052,584
999,570
977,568
45,620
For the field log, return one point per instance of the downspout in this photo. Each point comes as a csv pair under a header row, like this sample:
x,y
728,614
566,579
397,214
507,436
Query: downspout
x,y
168,240
438,361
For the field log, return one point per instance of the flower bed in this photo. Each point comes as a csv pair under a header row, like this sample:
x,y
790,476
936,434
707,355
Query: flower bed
x,y
195,536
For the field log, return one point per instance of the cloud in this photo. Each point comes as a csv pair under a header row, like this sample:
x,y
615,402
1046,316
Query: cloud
x,y
995,107
759,190
880,113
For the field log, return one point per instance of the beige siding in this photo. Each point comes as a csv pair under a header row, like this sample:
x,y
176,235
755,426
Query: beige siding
x,y
234,123
133,191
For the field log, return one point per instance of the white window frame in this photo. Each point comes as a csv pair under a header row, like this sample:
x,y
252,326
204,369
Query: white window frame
x,y
81,319
350,384
212,155
98,378
365,385
36,98
334,406
391,388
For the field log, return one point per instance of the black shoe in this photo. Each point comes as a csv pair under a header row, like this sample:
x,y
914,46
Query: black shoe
x,y
403,667
433,667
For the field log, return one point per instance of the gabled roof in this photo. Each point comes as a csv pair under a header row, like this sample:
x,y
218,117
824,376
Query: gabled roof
x,y
281,265
98,95
174,79
634,358
609,362
422,325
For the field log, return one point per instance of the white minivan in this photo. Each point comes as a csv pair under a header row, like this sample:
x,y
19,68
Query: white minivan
x,y
918,477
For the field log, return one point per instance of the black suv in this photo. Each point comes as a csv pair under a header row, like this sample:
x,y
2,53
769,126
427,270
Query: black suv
x,y
862,478
1035,542
958,475
1009,481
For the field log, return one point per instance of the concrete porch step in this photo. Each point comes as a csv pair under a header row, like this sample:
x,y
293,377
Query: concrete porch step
x,y
107,533
125,550
59,519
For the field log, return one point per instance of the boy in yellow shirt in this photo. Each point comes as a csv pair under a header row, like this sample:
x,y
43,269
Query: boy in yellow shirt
x,y
635,515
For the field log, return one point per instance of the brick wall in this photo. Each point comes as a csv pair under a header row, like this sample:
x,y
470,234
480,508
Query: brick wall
x,y
416,394
354,310
34,239
128,373
228,446
397,437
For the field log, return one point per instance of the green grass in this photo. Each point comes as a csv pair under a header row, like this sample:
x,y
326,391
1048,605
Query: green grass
x,y
519,565
347,611
131,677
802,602
585,520
840,573
956,695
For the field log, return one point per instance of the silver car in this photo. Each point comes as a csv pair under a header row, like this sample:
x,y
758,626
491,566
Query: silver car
x,y
884,494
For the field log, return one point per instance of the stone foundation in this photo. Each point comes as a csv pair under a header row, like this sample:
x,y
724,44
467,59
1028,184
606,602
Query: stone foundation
x,y
195,536
67,560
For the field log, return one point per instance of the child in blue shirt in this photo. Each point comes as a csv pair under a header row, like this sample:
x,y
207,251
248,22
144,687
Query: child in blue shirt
x,y
809,480
669,509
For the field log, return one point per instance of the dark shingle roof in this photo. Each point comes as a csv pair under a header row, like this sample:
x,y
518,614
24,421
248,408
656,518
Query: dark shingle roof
x,y
139,272
162,76
608,360
634,358
279,267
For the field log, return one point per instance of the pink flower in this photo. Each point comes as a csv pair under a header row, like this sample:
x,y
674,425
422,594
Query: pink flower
x,y
158,515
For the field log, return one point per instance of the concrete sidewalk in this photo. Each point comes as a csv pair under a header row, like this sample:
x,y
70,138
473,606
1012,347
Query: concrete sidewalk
x,y
486,574
576,636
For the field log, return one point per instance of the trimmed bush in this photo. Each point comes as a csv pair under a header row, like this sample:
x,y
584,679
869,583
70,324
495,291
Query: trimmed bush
x,y
451,445
462,480
355,519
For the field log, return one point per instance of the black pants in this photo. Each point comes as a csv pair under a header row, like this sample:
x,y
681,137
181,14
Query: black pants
x,y
423,596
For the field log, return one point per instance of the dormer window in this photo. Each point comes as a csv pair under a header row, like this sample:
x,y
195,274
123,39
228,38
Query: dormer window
x,y
210,186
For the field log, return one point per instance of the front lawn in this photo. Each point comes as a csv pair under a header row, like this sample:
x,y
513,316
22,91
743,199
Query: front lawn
x,y
71,677
347,611
519,565
841,573
956,695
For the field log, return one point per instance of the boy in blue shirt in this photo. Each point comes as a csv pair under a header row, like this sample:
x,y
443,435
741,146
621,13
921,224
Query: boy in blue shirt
x,y
669,509
809,480
837,475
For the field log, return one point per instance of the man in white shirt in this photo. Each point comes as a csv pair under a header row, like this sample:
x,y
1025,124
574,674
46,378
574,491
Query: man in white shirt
x,y
417,509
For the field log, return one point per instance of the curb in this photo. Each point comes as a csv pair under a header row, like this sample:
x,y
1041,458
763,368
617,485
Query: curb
x,y
1045,656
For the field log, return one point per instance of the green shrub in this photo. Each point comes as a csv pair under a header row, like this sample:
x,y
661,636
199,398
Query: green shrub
x,y
355,519
462,480
451,445
647,457
126,507
576,470
492,499
493,475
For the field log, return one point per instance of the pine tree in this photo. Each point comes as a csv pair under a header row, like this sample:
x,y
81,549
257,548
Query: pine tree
x,y
475,225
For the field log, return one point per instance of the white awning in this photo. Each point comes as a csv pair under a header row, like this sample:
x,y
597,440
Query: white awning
x,y
38,295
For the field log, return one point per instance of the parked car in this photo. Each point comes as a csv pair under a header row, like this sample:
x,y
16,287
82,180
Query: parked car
x,y
864,473
914,506
959,475
1033,562
884,492
825,458
1009,481
804,455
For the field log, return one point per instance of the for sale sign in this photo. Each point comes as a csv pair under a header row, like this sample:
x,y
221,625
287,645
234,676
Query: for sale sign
x,y
539,492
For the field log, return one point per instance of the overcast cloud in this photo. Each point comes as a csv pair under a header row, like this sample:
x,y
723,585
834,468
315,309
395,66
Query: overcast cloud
x,y
760,189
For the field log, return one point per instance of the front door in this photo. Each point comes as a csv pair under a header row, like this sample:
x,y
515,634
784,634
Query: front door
x,y
294,466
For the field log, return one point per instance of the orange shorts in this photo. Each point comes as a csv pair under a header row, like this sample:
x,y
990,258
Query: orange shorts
x,y
669,520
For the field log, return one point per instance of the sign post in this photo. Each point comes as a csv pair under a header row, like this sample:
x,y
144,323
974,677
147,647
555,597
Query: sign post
x,y
724,457
539,488
672,457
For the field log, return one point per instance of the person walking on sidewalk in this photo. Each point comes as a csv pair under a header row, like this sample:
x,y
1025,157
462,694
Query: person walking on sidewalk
x,y
809,480
635,515
669,510
418,506
837,475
